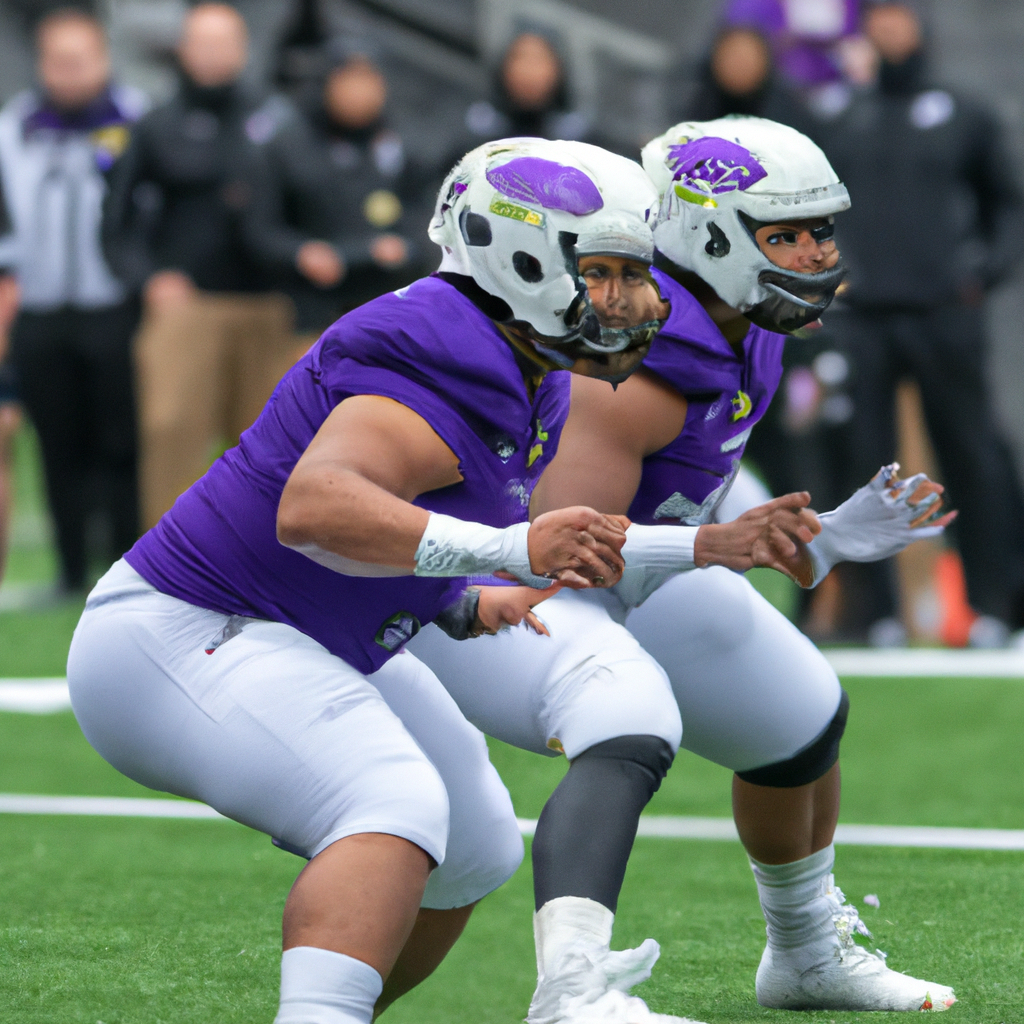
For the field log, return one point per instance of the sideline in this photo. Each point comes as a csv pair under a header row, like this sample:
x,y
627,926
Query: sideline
x,y
46,696
651,826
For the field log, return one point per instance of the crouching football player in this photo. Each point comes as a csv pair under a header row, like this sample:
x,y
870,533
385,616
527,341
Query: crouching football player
x,y
745,256
247,651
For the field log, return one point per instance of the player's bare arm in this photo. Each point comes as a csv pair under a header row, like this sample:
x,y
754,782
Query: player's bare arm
x,y
611,431
605,440
350,495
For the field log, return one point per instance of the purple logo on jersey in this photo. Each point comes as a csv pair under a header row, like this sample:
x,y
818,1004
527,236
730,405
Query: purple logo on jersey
x,y
529,179
724,166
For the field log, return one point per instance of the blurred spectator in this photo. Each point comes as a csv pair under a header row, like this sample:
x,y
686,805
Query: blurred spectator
x,y
739,77
213,341
937,220
337,212
531,97
10,411
70,343
301,58
806,34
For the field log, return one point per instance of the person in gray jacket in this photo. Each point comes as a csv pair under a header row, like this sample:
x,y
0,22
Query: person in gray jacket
x,y
70,342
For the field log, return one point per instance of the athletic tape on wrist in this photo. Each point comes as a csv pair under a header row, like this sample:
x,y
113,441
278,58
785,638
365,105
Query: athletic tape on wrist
x,y
454,547
660,547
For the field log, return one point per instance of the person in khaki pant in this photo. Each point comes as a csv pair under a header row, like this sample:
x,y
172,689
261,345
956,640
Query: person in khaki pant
x,y
206,365
213,342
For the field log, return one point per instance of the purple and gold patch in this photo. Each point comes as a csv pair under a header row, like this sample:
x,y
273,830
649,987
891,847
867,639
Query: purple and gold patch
x,y
530,179
719,165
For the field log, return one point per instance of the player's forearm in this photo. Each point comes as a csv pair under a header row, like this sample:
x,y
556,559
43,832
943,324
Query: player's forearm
x,y
343,514
351,525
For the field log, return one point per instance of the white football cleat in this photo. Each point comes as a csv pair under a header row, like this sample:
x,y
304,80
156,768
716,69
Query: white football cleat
x,y
579,979
840,975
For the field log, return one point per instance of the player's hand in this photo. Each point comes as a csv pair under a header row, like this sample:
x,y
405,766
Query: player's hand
x,y
767,536
917,498
878,521
578,547
320,263
508,606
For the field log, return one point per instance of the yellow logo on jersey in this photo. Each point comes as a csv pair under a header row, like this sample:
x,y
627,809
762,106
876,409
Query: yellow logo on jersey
x,y
537,450
742,406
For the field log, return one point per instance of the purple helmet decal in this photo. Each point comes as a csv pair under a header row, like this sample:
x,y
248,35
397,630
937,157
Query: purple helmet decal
x,y
531,179
724,165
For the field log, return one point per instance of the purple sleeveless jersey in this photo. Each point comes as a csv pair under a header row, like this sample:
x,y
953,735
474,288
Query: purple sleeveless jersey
x,y
727,394
426,346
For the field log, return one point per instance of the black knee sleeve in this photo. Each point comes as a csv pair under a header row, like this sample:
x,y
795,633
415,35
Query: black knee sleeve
x,y
586,830
811,763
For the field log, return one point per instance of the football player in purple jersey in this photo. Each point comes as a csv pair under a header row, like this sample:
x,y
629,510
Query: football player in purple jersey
x,y
744,256
249,650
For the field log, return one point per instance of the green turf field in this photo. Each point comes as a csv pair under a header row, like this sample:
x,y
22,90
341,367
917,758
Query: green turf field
x,y
129,920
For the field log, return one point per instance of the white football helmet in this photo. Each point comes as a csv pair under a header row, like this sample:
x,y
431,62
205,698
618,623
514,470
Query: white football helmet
x,y
509,216
721,180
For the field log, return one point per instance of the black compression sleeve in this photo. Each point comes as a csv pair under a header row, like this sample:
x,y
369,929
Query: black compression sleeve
x,y
586,830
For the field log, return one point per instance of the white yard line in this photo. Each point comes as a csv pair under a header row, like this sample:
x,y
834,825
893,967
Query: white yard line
x,y
44,696
927,662
34,696
678,827
651,826
107,806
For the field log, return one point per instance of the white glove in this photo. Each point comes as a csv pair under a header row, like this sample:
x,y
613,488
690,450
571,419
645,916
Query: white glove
x,y
874,523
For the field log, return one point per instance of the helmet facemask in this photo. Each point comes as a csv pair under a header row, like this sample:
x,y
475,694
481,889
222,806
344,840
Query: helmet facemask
x,y
795,299
509,217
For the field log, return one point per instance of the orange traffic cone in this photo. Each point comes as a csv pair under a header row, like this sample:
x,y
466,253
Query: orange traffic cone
x,y
957,616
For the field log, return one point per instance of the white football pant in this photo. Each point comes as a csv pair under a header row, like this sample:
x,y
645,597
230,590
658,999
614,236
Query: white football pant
x,y
750,688
275,732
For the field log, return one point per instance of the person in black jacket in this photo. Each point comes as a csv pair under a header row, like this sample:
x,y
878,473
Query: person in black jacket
x,y
921,261
213,342
336,211
530,97
739,77
10,410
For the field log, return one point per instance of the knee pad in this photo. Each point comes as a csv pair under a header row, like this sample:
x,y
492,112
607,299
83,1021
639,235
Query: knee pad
x,y
810,763
651,753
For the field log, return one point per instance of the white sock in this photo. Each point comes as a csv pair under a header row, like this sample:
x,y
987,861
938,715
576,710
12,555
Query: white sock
x,y
794,914
569,923
319,986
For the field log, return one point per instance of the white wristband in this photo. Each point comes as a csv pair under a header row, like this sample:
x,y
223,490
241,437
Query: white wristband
x,y
653,555
660,547
454,547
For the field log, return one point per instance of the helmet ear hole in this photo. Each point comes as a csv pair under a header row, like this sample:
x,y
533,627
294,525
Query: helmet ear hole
x,y
719,244
475,227
527,267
